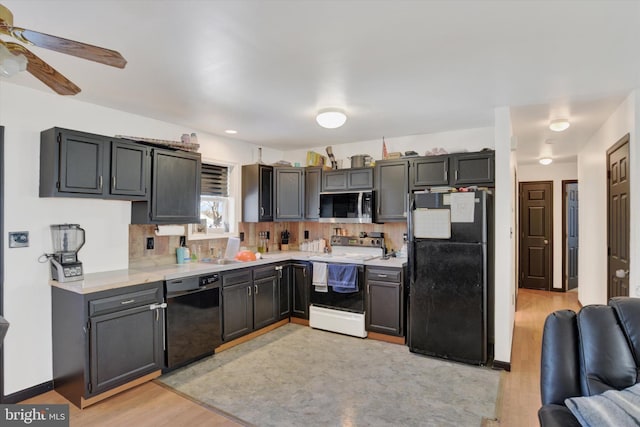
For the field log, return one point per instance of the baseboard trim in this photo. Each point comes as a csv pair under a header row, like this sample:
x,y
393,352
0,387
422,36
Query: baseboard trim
x,y
28,393
102,396
299,321
497,364
250,336
386,338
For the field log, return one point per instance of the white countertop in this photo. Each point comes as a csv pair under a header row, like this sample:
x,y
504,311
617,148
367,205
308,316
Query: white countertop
x,y
95,282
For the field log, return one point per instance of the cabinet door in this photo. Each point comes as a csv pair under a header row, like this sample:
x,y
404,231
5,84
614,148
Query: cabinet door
x,y
289,194
124,345
129,169
383,307
81,163
312,185
429,171
360,179
335,180
265,196
393,187
473,169
175,187
237,311
301,278
284,291
265,301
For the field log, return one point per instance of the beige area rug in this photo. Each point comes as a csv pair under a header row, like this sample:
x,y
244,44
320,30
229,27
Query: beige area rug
x,y
296,376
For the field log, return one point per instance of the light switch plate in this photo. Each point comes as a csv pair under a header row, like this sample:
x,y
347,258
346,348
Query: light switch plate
x,y
18,239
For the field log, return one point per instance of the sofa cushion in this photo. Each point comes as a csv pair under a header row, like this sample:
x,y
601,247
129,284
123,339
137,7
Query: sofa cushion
x,y
628,311
606,361
620,408
559,377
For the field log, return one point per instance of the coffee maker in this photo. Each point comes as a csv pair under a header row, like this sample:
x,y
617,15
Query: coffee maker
x,y
67,240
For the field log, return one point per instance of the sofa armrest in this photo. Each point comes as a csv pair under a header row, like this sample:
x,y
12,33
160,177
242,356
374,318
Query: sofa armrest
x,y
556,416
560,366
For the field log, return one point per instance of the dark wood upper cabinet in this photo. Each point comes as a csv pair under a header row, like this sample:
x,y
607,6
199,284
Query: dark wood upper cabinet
x,y
175,189
347,179
257,193
290,194
460,169
392,177
312,188
80,164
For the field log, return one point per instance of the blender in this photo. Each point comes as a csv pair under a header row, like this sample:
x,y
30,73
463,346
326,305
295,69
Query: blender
x,y
67,240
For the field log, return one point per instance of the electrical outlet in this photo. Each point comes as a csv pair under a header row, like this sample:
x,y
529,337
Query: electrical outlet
x,y
306,234
150,242
18,239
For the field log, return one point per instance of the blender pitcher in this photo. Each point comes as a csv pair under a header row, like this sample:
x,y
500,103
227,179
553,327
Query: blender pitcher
x,y
67,240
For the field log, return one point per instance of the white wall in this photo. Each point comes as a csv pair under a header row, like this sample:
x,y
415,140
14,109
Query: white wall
x,y
453,141
24,113
592,167
504,252
556,172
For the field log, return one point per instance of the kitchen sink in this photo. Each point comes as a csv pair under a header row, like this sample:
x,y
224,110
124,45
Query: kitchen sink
x,y
221,261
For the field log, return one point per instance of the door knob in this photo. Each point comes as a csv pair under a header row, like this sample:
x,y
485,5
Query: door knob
x,y
546,242
621,273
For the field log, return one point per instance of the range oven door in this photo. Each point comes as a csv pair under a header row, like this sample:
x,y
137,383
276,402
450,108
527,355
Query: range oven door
x,y
353,301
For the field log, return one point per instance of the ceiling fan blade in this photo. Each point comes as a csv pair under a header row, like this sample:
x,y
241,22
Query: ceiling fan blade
x,y
44,72
70,47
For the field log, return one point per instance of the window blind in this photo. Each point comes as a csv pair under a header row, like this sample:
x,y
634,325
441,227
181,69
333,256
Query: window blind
x,y
214,180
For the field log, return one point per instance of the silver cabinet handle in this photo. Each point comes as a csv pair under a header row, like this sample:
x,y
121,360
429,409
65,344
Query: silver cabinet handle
x,y
129,301
255,289
157,306
249,288
621,274
382,275
456,175
113,181
261,210
100,182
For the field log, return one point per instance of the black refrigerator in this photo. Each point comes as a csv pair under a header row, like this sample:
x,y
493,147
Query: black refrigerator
x,y
450,291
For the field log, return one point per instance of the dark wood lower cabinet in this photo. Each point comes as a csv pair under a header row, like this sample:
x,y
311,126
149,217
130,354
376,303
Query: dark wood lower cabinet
x,y
385,301
105,339
301,285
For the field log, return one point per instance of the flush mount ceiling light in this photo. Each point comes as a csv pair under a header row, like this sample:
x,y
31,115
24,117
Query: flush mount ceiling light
x,y
559,125
545,161
331,118
231,131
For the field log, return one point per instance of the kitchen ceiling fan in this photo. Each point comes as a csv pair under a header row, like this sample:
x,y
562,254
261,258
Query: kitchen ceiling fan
x,y
39,68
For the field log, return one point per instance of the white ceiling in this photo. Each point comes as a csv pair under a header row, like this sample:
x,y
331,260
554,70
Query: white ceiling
x,y
397,67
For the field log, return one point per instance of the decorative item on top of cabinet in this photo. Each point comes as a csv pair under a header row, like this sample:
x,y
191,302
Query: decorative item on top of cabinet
x,y
106,340
392,187
81,164
257,193
289,190
175,189
347,179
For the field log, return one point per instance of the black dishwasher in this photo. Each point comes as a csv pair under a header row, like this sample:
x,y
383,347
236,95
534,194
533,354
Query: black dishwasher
x,y
193,319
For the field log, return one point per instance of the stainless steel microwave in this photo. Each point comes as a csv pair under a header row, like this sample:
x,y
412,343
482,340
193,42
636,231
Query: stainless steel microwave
x,y
347,207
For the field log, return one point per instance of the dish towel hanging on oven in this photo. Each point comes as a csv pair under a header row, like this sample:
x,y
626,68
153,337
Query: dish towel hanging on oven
x,y
319,279
343,278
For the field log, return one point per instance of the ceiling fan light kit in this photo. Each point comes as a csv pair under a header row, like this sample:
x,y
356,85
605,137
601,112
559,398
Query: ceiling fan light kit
x,y
10,63
331,118
36,66
559,125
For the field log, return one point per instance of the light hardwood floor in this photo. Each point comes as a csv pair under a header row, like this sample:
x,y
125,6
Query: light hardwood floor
x,y
151,404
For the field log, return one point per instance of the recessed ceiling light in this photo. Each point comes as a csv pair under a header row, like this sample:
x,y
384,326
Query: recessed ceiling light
x,y
231,131
559,125
545,161
331,118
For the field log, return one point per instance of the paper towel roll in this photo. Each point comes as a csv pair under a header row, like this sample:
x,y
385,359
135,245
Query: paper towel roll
x,y
170,230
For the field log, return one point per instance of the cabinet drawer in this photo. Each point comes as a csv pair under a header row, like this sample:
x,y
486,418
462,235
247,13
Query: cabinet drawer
x,y
125,301
236,277
262,272
384,275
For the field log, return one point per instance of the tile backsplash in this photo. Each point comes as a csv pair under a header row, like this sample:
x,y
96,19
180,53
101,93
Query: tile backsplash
x,y
164,251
